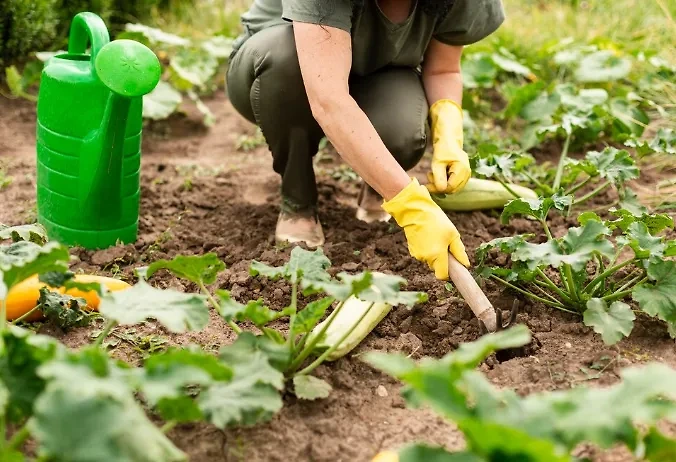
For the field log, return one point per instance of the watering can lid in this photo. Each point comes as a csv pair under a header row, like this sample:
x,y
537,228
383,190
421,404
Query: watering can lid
x,y
128,68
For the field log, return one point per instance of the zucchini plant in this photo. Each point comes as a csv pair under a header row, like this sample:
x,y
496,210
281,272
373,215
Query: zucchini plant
x,y
499,425
585,271
76,403
361,301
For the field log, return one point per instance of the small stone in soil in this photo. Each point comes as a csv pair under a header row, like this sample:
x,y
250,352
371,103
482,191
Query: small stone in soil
x,y
405,325
381,391
408,343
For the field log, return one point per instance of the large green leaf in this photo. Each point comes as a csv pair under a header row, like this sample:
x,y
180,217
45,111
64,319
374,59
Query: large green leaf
x,y
506,245
21,354
88,413
92,427
192,67
254,311
425,453
602,66
253,393
658,298
613,164
35,233
576,248
613,322
659,448
21,260
308,317
432,380
200,269
177,311
310,388
63,310
644,245
162,102
664,142
582,242
302,265
629,119
503,443
536,208
166,375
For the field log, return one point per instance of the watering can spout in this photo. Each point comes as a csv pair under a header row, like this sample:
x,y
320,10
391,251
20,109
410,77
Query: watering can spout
x,y
129,70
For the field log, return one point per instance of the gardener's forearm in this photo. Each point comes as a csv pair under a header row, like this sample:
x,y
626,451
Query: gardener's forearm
x,y
441,74
447,85
357,141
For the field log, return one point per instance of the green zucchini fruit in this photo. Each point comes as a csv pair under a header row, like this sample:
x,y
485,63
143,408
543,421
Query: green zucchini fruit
x,y
481,194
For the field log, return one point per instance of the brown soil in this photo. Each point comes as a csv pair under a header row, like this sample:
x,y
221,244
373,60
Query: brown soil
x,y
201,194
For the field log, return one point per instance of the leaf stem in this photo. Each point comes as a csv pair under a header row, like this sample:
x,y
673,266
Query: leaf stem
x,y
290,340
619,295
309,347
217,307
25,315
631,283
539,286
562,162
506,186
107,329
545,226
3,313
168,426
18,438
572,288
566,297
608,272
578,186
333,347
558,306
591,194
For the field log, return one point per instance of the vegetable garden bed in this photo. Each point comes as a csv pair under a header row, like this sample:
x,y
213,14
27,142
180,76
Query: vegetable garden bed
x,y
200,194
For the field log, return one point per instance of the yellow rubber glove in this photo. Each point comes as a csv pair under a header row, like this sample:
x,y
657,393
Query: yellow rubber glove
x,y
450,165
429,232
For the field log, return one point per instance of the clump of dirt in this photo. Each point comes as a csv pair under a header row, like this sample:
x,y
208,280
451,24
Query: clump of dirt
x,y
199,194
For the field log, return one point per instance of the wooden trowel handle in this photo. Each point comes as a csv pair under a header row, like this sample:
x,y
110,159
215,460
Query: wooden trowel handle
x,y
472,293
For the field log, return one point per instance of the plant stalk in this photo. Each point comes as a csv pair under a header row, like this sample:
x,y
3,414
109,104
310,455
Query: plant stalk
x,y
562,162
591,194
25,315
619,295
107,329
631,283
539,286
578,186
572,289
608,272
290,340
308,348
217,307
558,306
168,426
555,288
506,186
333,347
18,438
3,313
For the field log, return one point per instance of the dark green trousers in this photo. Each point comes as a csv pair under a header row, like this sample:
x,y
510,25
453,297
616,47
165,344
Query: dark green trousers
x,y
265,85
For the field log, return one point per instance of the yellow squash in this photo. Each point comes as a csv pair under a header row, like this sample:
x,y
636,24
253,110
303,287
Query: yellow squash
x,y
23,297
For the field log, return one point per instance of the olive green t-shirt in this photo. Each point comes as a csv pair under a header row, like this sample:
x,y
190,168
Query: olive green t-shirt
x,y
376,41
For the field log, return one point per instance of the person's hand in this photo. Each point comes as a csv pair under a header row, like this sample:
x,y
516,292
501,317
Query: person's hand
x,y
450,164
429,232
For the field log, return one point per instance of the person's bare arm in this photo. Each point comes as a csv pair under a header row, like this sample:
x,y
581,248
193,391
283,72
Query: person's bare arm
x,y
325,57
441,72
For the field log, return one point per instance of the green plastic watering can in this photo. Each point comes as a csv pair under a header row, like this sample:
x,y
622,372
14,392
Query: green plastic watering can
x,y
89,136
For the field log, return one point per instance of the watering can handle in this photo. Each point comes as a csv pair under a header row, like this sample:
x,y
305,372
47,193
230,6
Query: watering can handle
x,y
87,28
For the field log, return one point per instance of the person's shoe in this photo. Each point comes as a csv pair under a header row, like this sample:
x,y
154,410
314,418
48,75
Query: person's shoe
x,y
369,205
297,227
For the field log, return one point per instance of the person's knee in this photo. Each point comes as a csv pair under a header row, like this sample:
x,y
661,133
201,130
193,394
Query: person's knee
x,y
279,60
406,141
